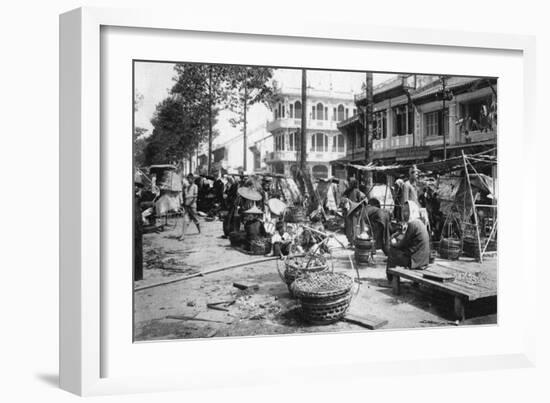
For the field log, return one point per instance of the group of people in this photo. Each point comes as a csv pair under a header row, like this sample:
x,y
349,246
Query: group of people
x,y
405,244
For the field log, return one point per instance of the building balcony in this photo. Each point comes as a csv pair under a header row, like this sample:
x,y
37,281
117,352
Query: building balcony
x,y
393,143
312,156
312,124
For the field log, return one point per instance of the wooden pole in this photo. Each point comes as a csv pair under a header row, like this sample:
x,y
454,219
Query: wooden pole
x,y
303,138
244,126
473,206
368,140
200,274
210,121
443,121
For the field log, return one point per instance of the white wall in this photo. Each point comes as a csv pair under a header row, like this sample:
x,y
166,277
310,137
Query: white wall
x,y
29,110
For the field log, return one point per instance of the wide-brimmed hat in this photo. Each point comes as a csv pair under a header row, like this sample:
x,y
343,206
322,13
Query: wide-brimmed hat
x,y
253,210
249,193
276,206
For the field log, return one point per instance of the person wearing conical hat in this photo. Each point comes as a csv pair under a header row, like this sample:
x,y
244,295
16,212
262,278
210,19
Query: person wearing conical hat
x,y
253,224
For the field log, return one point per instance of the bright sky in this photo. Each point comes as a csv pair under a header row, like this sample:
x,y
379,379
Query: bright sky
x,y
154,80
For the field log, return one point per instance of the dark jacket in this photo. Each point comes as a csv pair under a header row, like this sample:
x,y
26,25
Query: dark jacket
x,y
416,242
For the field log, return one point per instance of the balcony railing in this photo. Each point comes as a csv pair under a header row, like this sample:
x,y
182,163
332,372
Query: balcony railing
x,y
312,124
324,156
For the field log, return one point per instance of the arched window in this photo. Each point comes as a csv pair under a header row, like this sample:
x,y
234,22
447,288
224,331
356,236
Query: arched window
x,y
291,111
341,112
298,110
320,111
338,143
319,142
279,108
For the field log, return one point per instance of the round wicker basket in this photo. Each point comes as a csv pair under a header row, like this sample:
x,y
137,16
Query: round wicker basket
x,y
260,246
450,248
324,296
298,266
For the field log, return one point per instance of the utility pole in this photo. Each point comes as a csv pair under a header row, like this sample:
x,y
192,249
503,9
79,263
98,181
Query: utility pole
x,y
443,119
210,120
245,107
368,122
303,138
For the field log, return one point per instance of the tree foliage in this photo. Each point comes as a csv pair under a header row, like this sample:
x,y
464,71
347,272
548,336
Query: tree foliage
x,y
181,121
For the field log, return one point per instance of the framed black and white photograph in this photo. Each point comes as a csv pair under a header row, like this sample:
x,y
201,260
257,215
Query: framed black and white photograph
x,y
246,226
309,202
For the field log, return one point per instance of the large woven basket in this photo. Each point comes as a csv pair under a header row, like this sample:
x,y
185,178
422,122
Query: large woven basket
x,y
301,265
324,296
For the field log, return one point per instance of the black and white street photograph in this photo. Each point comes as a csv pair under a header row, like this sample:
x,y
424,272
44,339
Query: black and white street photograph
x,y
274,200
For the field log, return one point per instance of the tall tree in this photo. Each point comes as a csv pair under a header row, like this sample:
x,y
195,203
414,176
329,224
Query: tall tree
x,y
205,88
177,130
248,86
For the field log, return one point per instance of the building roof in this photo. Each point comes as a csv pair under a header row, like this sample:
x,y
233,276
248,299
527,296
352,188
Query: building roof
x,y
384,86
435,87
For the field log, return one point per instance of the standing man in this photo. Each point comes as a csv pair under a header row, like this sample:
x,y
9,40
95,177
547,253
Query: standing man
x,y
409,188
190,205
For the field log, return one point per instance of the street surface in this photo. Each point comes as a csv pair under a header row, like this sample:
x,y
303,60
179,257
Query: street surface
x,y
269,309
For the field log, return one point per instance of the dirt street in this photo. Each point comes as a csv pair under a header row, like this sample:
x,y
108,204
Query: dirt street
x,y
268,309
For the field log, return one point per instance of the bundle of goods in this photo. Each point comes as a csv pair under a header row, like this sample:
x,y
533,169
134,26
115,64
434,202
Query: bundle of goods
x,y
470,246
171,181
364,248
260,246
297,266
450,248
237,238
295,214
324,296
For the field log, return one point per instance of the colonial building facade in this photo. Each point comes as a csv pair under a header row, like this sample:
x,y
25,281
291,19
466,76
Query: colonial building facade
x,y
324,142
413,114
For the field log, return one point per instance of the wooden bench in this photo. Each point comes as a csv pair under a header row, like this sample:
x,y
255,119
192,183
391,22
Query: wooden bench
x,y
462,290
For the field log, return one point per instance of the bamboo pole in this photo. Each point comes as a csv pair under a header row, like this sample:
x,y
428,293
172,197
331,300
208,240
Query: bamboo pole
x,y
473,207
202,273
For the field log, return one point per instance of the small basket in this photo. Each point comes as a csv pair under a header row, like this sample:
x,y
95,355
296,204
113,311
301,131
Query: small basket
x,y
450,248
260,246
324,297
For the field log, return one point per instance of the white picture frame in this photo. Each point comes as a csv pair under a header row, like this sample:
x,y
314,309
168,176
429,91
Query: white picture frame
x,y
83,306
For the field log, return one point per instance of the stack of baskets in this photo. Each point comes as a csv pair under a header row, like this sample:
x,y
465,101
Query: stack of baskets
x,y
363,250
260,246
450,248
299,266
325,296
